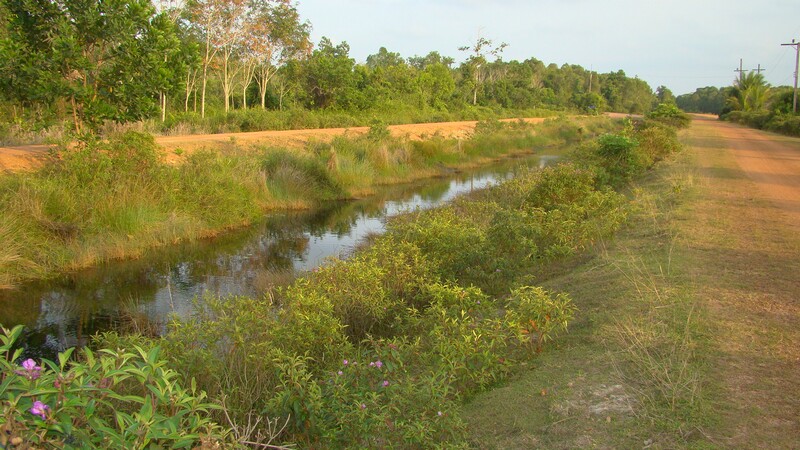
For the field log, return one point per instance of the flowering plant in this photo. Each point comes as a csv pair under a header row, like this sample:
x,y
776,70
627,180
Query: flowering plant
x,y
116,399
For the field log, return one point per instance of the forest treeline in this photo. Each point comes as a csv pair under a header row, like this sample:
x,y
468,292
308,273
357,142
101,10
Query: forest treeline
x,y
81,63
750,101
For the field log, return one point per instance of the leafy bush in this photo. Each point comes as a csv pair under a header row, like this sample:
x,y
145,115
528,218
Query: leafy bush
x,y
618,159
669,114
540,315
113,399
657,141
788,124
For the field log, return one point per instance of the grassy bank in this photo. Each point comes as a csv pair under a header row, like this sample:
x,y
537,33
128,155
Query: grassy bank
x,y
381,350
114,199
632,372
33,132
687,324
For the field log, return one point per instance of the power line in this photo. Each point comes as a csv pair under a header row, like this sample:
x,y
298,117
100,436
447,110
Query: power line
x,y
796,46
739,70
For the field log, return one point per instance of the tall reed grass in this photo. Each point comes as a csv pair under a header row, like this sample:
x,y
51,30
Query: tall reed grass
x,y
110,199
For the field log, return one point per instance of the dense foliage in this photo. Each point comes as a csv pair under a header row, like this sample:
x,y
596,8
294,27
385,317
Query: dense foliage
x,y
750,101
114,398
107,199
775,115
376,351
86,63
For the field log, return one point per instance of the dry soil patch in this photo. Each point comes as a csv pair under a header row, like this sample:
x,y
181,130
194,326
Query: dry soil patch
x,y
33,156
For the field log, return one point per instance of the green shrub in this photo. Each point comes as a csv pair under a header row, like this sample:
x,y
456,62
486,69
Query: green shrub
x,y
539,315
788,124
356,290
452,242
620,158
657,141
385,397
669,114
112,399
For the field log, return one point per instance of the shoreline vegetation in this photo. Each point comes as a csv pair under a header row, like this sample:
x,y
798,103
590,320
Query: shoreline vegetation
x,y
380,350
103,200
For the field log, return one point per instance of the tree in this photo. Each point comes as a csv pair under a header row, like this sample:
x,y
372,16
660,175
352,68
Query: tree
x,y
751,92
664,95
708,99
109,59
277,36
474,67
328,75
436,85
421,62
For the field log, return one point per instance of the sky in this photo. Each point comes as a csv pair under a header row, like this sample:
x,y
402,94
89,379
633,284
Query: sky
x,y
681,44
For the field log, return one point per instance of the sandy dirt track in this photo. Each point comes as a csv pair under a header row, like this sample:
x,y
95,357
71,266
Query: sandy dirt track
x,y
32,156
743,238
771,161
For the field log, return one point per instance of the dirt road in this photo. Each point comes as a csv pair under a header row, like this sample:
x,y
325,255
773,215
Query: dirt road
x,y
743,237
32,156
771,161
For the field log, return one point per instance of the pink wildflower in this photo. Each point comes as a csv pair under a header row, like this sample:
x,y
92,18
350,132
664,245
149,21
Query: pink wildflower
x,y
39,409
32,370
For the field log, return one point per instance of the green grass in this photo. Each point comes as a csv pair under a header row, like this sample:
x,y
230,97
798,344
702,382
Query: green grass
x,y
631,372
105,200
380,350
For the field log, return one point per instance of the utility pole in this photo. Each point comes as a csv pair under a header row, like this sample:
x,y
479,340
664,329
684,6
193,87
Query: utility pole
x,y
796,68
759,70
740,70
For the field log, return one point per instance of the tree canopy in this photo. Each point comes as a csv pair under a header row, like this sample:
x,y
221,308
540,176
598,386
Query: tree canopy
x,y
126,60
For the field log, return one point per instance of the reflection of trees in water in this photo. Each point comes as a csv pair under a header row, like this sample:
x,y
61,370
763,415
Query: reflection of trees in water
x,y
66,312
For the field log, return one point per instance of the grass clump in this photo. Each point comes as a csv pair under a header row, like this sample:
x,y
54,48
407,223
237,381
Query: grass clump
x,y
107,199
382,349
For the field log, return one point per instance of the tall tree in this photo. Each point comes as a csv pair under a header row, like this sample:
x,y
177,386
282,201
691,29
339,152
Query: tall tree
x,y
751,91
475,67
664,95
106,58
205,17
329,76
277,36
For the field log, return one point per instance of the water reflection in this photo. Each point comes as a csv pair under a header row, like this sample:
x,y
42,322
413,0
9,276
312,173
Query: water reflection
x,y
66,312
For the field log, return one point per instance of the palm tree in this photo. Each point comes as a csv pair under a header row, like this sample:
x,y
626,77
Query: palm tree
x,y
751,92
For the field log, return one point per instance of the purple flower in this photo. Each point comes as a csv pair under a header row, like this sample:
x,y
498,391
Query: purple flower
x,y
340,372
372,364
32,371
438,413
378,364
346,362
363,406
39,409
385,383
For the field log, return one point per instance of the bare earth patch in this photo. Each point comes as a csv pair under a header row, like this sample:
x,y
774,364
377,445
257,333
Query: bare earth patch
x,y
32,156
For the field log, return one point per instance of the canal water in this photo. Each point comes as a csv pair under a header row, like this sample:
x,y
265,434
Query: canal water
x,y
142,294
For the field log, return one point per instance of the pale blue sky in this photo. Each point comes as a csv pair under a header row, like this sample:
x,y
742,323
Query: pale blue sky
x,y
683,44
